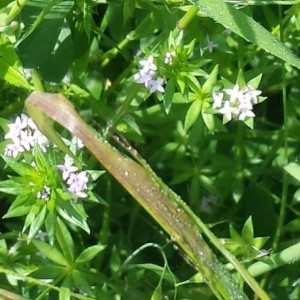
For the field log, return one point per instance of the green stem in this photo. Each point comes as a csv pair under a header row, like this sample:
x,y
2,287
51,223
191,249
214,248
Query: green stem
x,y
283,202
285,257
37,81
15,10
187,18
105,228
108,56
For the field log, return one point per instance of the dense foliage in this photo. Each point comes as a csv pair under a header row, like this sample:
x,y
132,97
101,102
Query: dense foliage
x,y
207,92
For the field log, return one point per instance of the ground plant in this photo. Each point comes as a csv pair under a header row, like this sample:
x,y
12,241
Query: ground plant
x,y
149,149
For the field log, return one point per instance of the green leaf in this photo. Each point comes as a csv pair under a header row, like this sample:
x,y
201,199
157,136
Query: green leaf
x,y
64,293
37,223
50,225
59,60
209,121
254,82
12,75
68,212
89,253
192,114
211,81
157,294
292,226
115,262
17,212
46,40
34,210
12,187
50,252
46,272
246,27
23,200
20,168
65,240
169,92
247,231
81,283
293,169
238,187
92,197
10,64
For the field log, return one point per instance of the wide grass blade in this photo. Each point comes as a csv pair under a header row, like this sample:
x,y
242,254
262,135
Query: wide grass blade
x,y
246,27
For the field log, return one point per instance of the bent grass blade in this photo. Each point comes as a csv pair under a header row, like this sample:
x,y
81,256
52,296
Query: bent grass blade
x,y
142,183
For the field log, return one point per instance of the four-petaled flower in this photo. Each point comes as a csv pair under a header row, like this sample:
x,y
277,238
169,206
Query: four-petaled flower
x,y
210,46
217,97
67,168
148,64
156,85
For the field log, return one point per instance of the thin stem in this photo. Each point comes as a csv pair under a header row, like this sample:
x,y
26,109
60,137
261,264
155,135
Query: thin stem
x,y
187,18
33,281
15,10
283,202
37,81
267,264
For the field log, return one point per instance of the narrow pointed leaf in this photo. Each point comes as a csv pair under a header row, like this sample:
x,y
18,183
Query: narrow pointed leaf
x,y
89,253
51,253
246,27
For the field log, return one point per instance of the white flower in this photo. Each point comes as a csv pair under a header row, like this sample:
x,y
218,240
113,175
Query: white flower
x,y
24,134
67,168
218,98
78,183
147,75
41,235
169,57
78,142
16,127
143,78
12,150
156,85
207,203
235,93
228,110
251,93
148,64
236,103
45,193
41,140
210,46
245,112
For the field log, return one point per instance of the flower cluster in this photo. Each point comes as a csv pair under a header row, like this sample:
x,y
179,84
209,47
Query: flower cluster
x,y
236,102
147,75
23,134
76,181
169,57
45,193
